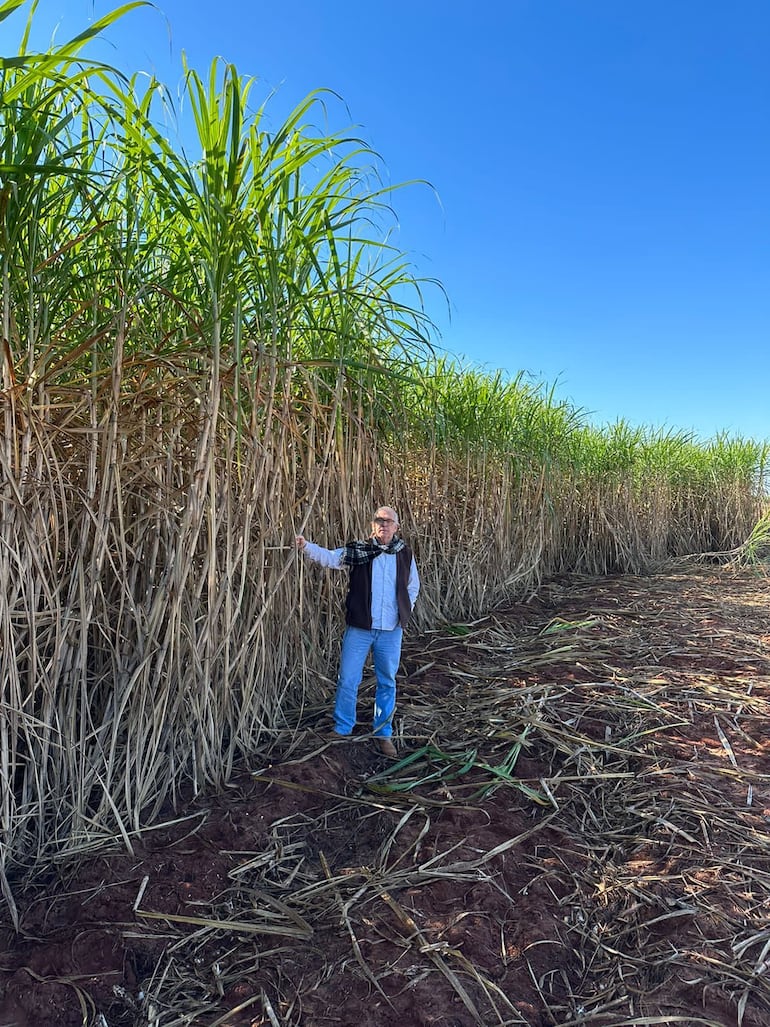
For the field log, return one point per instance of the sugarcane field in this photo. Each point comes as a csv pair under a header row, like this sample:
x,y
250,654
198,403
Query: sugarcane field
x,y
218,368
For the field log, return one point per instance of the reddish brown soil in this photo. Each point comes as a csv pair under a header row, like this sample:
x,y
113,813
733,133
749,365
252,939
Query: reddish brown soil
x,y
637,894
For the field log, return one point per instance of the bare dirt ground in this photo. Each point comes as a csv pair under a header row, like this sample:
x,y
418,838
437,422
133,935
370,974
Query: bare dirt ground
x,y
577,831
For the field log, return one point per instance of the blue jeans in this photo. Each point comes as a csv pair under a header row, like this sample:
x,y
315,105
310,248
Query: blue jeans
x,y
385,647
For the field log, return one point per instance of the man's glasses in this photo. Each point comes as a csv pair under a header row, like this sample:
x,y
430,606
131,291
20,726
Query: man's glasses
x,y
384,520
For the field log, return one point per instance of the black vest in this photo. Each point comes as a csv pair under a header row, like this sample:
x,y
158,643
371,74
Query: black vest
x,y
358,605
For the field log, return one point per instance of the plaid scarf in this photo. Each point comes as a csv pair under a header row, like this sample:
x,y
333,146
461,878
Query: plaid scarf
x,y
357,553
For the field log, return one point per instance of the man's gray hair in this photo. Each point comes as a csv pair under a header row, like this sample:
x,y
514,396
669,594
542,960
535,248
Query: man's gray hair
x,y
389,510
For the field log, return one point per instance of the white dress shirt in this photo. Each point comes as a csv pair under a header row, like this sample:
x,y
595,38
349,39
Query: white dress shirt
x,y
384,604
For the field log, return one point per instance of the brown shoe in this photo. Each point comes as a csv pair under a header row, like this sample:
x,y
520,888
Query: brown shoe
x,y
387,748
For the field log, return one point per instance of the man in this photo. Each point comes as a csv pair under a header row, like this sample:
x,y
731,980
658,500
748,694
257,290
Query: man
x,y
382,590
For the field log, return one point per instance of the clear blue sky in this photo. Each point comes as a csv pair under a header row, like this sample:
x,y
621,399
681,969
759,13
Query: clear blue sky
x,y
602,166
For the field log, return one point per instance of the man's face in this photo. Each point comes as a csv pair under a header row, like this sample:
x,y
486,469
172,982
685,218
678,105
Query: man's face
x,y
384,526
